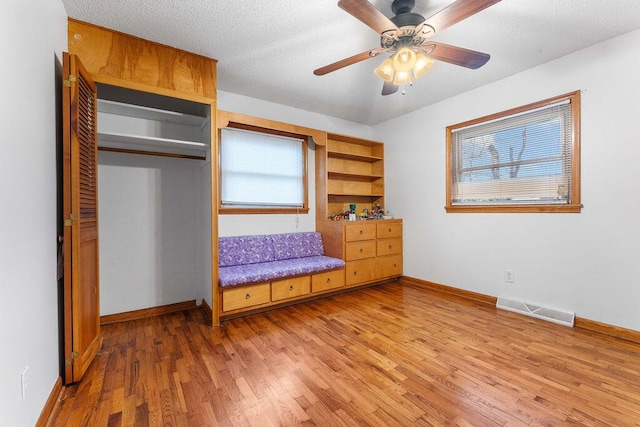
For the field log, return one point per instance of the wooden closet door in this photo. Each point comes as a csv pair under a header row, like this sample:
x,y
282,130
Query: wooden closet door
x,y
80,199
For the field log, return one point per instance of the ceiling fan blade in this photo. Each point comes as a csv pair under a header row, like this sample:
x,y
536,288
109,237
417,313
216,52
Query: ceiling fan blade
x,y
347,61
388,88
455,55
456,12
365,12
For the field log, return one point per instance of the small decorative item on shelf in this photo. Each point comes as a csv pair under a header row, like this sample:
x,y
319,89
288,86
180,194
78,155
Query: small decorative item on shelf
x,y
376,213
342,216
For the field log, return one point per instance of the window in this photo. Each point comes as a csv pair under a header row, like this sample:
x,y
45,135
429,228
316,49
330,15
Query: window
x,y
523,160
262,172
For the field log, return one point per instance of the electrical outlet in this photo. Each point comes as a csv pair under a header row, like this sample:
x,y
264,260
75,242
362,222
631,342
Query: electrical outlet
x,y
24,383
509,276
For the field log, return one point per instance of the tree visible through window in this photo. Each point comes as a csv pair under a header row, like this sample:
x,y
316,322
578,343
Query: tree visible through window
x,y
520,160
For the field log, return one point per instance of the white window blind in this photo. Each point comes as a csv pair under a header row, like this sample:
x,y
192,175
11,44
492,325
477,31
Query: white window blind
x,y
524,158
261,170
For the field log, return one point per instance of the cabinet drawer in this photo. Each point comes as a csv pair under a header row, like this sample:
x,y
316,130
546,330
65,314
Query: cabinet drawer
x,y
290,288
329,280
360,231
389,266
389,247
360,250
246,296
360,271
392,229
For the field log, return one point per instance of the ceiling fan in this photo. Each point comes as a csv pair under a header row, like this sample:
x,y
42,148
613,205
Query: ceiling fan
x,y
406,37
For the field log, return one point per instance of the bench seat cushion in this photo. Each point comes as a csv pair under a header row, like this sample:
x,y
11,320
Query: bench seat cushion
x,y
239,250
267,271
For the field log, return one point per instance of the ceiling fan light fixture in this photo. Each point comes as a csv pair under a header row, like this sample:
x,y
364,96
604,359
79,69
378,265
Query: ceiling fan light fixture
x,y
385,71
404,59
423,64
403,77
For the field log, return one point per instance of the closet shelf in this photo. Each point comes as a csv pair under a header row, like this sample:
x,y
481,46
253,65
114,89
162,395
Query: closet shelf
x,y
139,111
154,141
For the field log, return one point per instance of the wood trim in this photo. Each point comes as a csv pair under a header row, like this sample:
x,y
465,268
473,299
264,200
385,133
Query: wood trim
x,y
147,312
241,121
151,153
513,209
208,312
473,296
579,322
575,205
606,329
52,404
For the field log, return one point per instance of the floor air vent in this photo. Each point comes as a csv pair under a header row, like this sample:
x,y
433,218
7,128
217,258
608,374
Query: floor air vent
x,y
551,314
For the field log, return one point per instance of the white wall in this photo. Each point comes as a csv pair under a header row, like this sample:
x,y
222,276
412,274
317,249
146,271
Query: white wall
x,y
151,231
585,262
232,225
32,38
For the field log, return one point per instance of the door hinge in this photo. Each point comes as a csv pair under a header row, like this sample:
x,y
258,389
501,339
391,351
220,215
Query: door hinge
x,y
69,222
67,83
74,355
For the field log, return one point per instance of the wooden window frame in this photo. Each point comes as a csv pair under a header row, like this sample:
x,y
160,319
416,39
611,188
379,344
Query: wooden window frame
x,y
574,205
243,122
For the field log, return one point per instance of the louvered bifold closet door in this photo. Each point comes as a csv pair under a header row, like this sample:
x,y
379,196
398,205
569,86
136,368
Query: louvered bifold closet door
x,y
81,287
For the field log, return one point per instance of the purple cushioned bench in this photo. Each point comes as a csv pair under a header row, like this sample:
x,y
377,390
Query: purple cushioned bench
x,y
262,258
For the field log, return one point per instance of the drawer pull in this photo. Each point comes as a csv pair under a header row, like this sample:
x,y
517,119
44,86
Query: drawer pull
x,y
328,280
389,246
247,296
361,250
395,265
355,273
389,230
361,232
291,287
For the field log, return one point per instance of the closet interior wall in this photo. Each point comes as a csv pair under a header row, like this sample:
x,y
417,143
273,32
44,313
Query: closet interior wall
x,y
154,191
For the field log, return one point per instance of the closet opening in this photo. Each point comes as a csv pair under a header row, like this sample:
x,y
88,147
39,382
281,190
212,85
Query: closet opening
x,y
154,202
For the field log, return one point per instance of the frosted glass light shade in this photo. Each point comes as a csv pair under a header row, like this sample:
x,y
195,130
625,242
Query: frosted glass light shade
x,y
385,71
423,64
402,77
404,59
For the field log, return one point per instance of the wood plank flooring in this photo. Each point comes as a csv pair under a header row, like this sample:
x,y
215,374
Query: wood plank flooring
x,y
391,355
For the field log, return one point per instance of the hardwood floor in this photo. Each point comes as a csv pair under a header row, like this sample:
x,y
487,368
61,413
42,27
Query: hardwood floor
x,y
383,356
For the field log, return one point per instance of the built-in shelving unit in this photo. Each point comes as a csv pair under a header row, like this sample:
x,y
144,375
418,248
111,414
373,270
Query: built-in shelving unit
x,y
351,171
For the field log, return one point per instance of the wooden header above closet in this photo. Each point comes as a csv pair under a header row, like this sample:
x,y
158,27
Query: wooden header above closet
x,y
123,60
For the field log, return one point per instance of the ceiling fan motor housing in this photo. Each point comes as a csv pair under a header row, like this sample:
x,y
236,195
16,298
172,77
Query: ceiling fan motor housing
x,y
402,6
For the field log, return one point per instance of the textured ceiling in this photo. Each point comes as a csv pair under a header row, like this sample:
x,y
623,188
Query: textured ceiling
x,y
268,49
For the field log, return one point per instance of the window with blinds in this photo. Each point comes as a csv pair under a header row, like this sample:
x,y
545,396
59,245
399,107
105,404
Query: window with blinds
x,y
261,171
526,158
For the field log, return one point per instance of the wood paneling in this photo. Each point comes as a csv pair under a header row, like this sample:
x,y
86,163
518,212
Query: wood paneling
x,y
127,61
388,355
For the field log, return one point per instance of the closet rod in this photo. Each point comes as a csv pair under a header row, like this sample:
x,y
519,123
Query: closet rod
x,y
152,153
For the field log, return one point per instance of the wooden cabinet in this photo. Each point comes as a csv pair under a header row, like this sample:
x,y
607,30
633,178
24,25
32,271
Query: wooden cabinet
x,y
349,171
372,250
244,297
327,281
290,288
